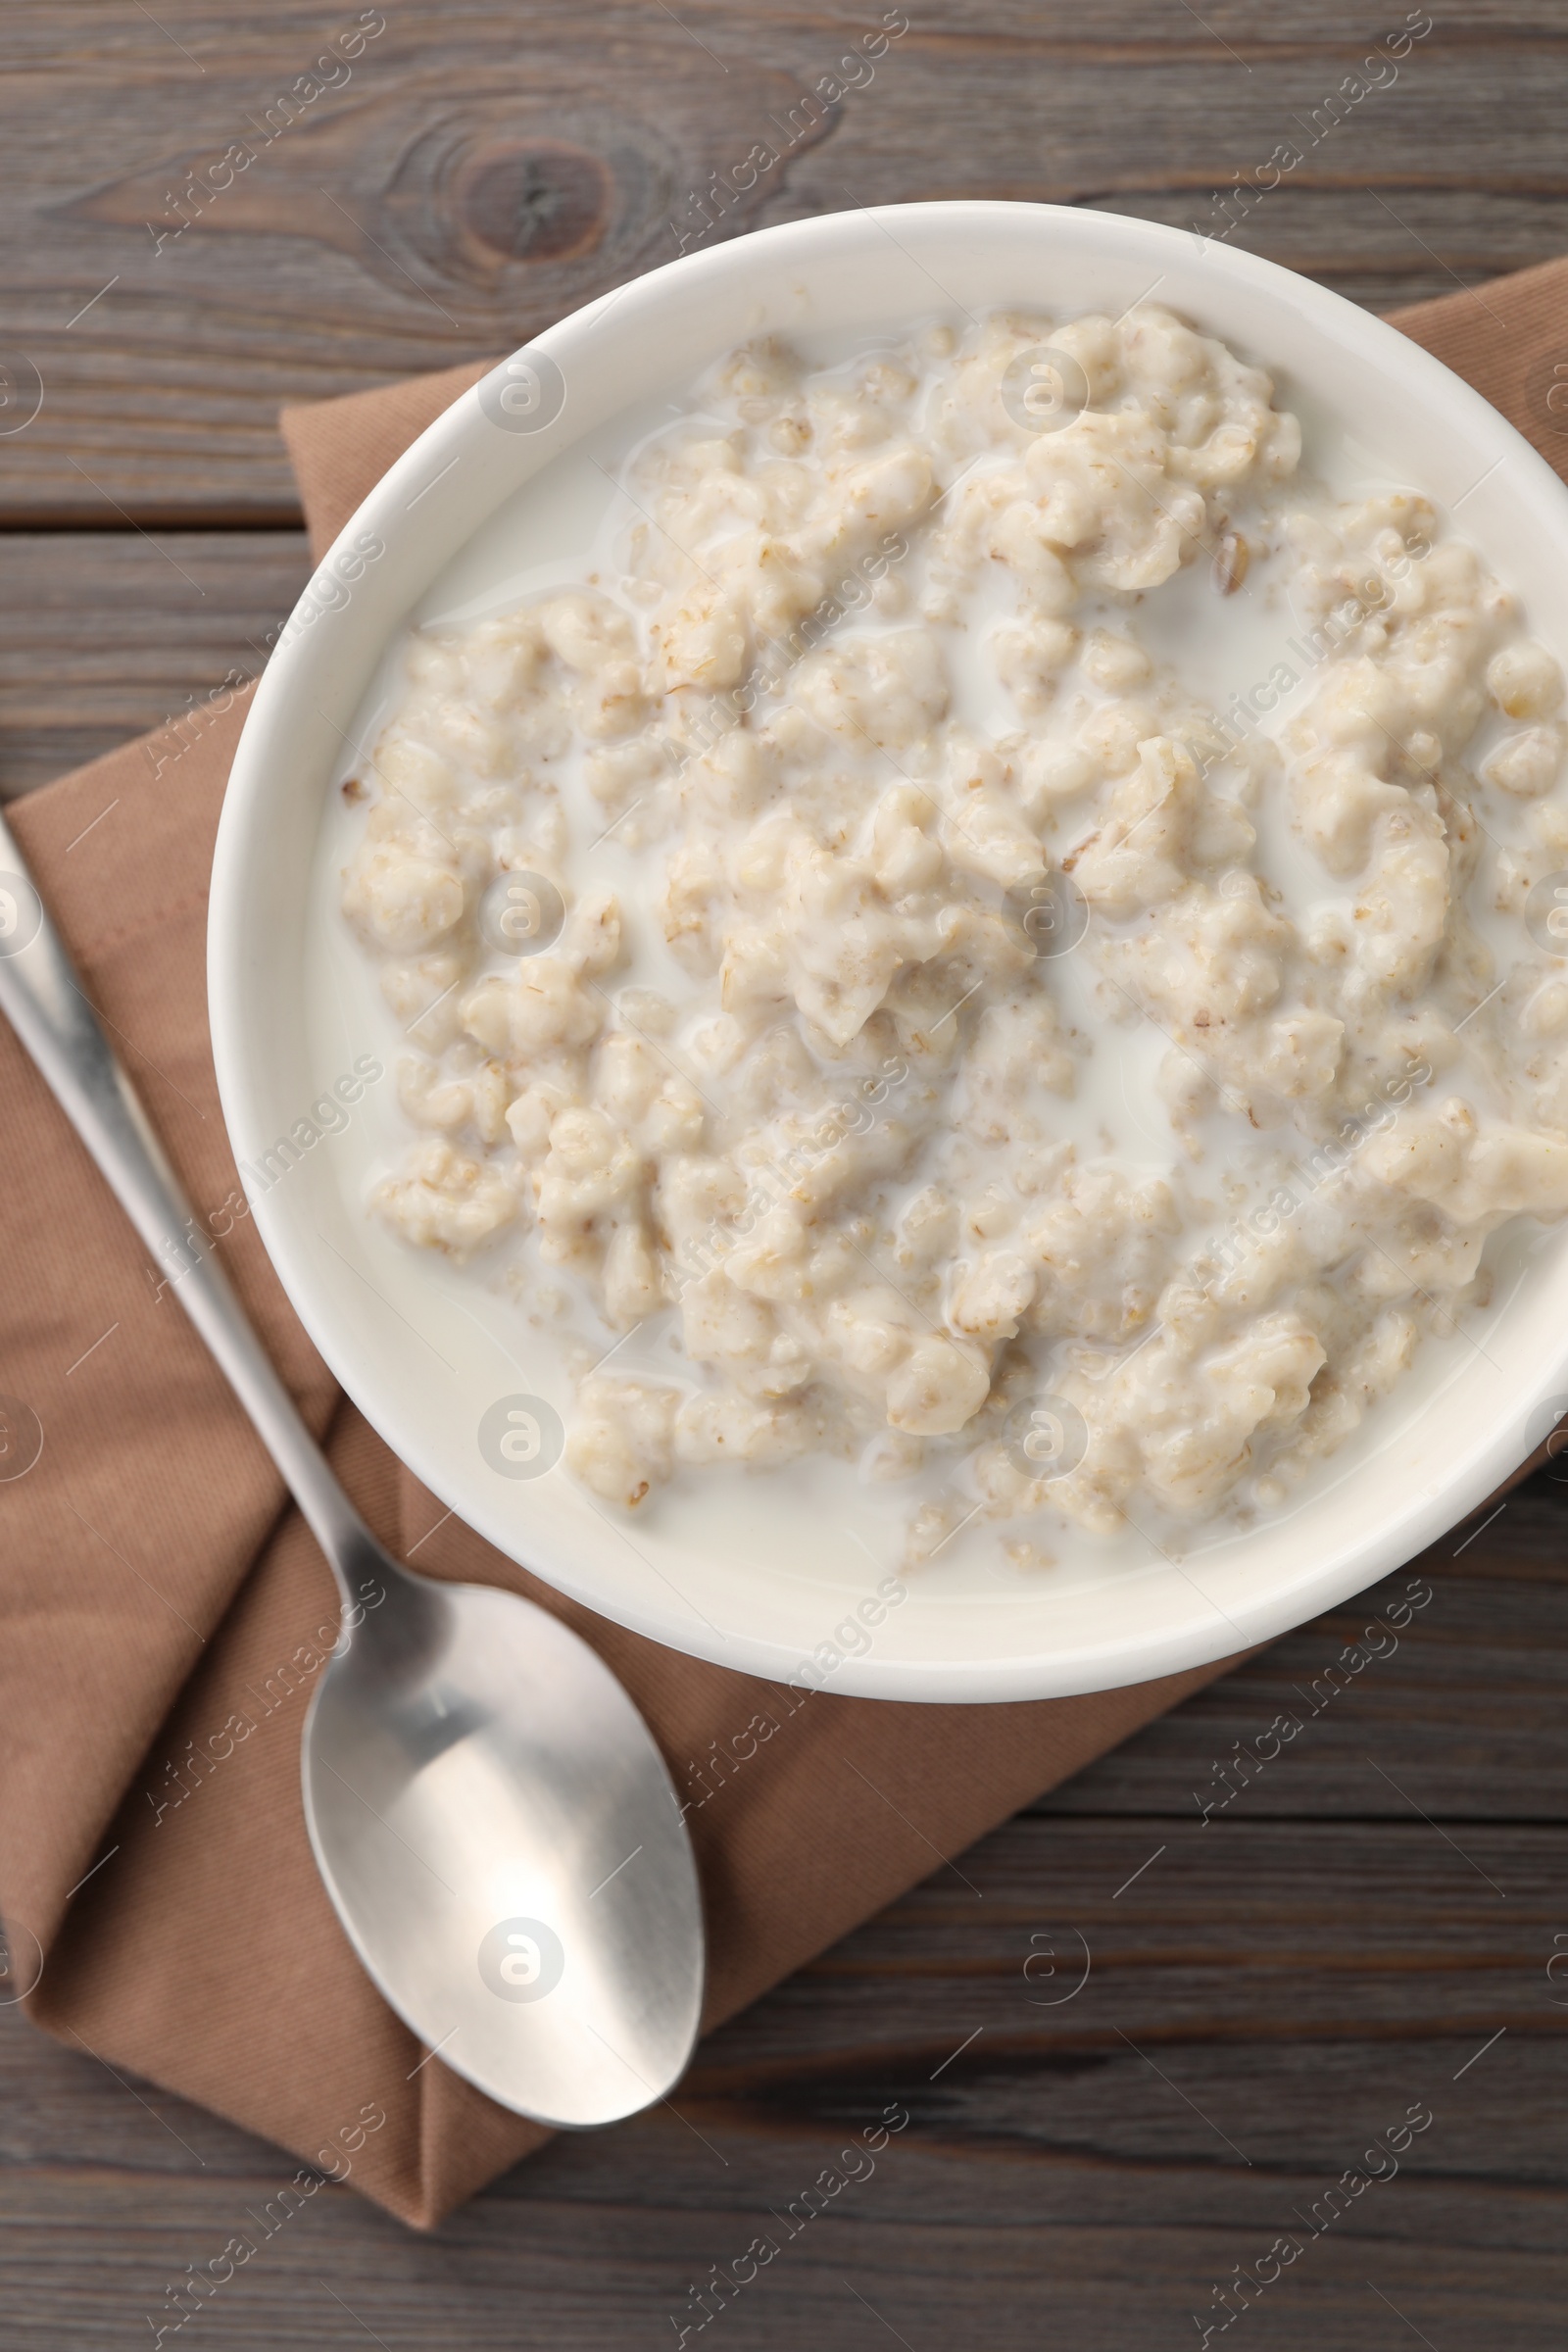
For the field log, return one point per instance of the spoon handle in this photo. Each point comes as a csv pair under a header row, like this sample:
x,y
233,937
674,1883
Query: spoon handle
x,y
46,1003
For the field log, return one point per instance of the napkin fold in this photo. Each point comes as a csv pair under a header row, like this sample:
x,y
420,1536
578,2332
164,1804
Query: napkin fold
x,y
166,1612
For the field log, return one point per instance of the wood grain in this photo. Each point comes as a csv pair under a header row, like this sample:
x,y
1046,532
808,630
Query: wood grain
x,y
105,634
481,171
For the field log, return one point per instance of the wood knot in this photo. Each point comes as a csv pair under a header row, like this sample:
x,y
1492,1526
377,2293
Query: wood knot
x,y
535,200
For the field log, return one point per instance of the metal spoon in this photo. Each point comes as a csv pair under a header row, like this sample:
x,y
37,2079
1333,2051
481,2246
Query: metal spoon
x,y
487,1807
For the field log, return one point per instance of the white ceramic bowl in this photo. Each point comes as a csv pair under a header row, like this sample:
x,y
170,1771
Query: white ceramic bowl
x,y
424,1372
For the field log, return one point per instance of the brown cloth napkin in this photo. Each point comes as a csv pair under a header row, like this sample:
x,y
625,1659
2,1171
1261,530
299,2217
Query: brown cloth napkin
x,y
166,1612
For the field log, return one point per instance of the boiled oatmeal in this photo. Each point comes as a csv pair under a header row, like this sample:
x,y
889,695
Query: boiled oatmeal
x,y
775,913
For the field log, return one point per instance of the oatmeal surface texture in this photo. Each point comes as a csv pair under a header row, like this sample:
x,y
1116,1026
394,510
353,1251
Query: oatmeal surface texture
x,y
927,832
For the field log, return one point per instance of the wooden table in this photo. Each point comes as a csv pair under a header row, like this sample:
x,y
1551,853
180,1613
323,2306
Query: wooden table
x,y
1379,1917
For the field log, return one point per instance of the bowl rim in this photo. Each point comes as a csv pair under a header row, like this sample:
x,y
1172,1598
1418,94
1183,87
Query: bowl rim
x,y
1121,1658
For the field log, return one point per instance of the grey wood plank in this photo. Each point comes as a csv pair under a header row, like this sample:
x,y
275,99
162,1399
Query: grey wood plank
x,y
105,634
474,175
1471,1690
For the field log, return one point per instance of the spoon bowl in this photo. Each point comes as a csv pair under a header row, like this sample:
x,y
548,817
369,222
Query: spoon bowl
x,y
505,1849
